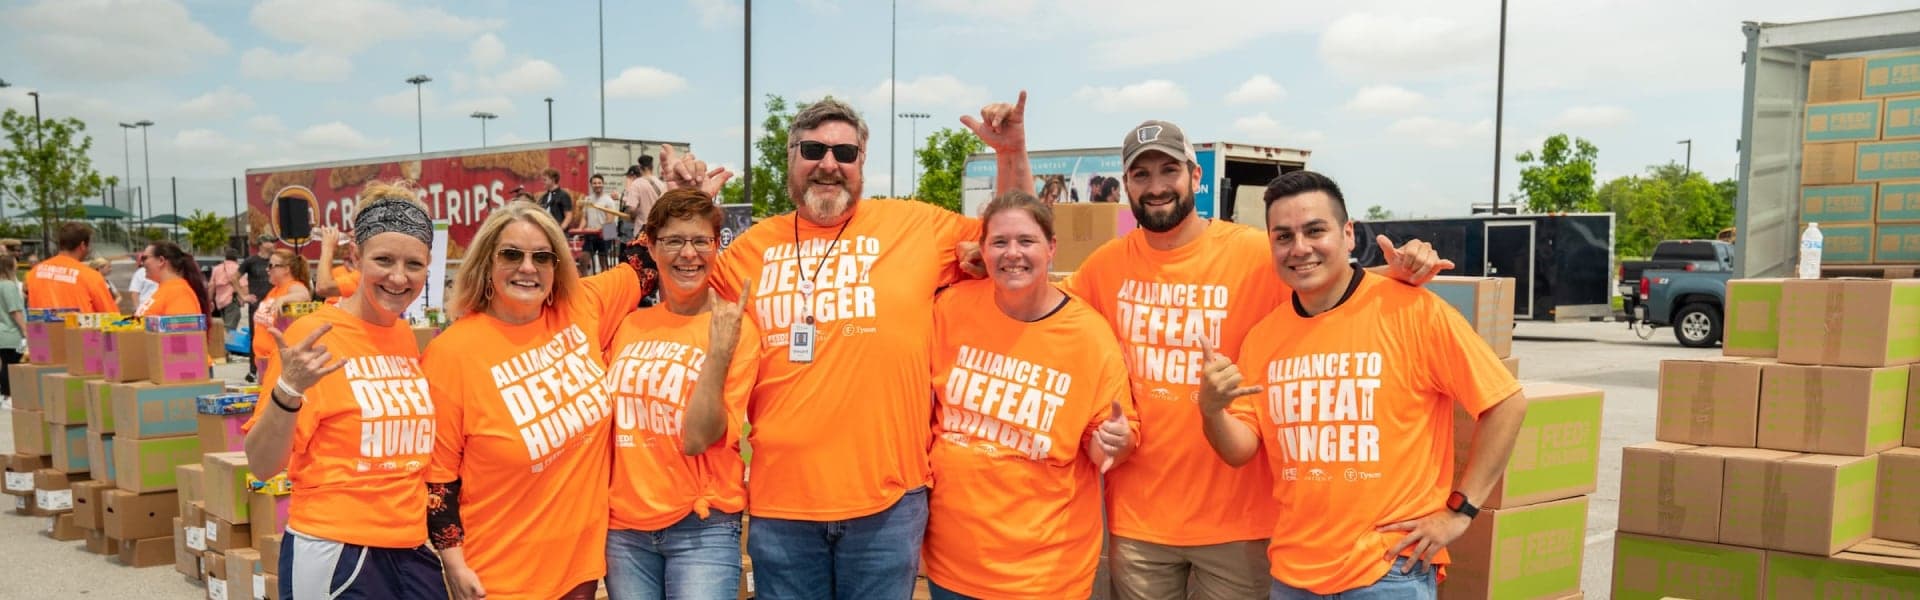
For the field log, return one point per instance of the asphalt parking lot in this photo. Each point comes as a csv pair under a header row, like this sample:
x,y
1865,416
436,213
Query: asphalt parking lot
x,y
1603,355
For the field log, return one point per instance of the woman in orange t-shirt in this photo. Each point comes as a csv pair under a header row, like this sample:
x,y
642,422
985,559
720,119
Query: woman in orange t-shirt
x,y
337,282
348,415
522,455
288,272
678,480
182,291
1017,365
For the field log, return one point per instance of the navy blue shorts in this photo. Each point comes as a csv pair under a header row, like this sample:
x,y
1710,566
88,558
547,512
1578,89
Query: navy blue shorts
x,y
311,567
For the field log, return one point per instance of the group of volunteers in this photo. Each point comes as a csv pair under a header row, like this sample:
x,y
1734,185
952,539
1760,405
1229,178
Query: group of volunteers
x,y
1219,411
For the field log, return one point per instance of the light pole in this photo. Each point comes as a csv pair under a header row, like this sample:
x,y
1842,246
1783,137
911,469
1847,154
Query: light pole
x,y
549,118
126,152
146,164
484,117
1689,143
914,119
1499,106
893,95
419,109
3,208
603,76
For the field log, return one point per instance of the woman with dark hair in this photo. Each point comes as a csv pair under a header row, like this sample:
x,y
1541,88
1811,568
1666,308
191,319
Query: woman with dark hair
x,y
182,291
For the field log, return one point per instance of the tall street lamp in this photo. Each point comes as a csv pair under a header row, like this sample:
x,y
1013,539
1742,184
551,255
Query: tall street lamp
x,y
484,116
146,164
37,146
126,153
549,118
1689,143
914,171
419,109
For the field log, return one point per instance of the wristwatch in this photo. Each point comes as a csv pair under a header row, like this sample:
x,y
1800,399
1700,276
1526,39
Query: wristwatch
x,y
1457,502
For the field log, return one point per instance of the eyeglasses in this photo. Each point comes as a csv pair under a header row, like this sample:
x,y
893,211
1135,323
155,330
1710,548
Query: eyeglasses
x,y
514,256
812,150
277,266
673,245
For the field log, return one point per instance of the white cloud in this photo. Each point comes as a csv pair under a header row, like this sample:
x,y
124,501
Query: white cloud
x,y
928,92
529,77
1592,117
1442,133
719,14
1262,129
200,141
639,83
1256,90
822,7
499,105
109,41
266,124
406,103
486,50
335,137
1000,8
1397,45
220,103
308,65
1386,100
1154,94
351,26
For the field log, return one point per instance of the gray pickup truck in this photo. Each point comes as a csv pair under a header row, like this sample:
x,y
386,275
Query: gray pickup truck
x,y
1690,298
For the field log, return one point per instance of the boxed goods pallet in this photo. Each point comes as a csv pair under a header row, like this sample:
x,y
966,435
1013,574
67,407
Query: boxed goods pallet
x,y
1847,243
1902,119
1652,568
1852,121
146,410
1487,304
1807,503
1847,575
1709,402
1832,410
1828,164
1891,75
1896,508
1531,551
1557,452
131,516
148,465
1850,322
1836,80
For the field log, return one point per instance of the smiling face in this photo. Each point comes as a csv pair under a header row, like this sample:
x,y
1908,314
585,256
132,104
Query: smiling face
x,y
1311,242
683,250
523,283
825,189
1017,252
278,269
1160,188
392,273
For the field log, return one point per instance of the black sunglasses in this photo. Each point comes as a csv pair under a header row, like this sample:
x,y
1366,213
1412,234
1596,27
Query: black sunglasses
x,y
812,150
514,256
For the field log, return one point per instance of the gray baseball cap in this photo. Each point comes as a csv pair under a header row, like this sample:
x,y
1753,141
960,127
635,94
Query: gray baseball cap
x,y
1159,136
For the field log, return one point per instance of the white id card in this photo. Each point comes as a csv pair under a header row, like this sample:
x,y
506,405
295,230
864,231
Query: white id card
x,y
800,342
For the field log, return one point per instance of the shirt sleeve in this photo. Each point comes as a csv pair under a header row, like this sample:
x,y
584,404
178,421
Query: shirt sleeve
x,y
612,293
97,294
730,267
1463,367
449,421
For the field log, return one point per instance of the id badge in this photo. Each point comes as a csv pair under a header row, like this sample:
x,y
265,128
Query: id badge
x,y
800,341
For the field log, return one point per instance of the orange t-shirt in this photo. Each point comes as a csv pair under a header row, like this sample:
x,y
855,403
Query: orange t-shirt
x,y
1015,508
264,348
362,440
523,424
1159,303
1356,417
846,435
62,282
348,281
652,366
174,297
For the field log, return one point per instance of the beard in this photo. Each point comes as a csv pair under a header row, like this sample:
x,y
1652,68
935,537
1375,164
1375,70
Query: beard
x,y
1165,222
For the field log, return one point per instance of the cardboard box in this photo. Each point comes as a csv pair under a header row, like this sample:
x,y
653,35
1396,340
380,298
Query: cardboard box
x,y
1836,80
99,543
69,448
52,492
1807,503
1854,121
177,357
185,561
1849,575
1487,304
26,384
1555,456
100,455
145,410
217,344
267,515
30,432
1912,436
150,552
1902,118
1896,508
19,474
65,397
90,351
1709,402
216,567
1896,243
194,519
221,433
176,324
1881,161
1897,202
1081,228
131,516
243,565
1847,243
1512,363
47,343
1832,410
1891,75
1525,552
223,535
62,529
99,406
148,465
1851,203
192,481
1827,164
269,547
226,485
1650,568
89,504
1850,322
1669,491
125,357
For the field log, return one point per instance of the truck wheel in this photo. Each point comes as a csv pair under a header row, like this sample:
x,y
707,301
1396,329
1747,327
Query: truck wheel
x,y
1697,325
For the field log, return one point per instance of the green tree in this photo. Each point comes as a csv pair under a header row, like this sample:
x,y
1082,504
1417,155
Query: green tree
x,y
1559,178
734,192
206,232
943,161
1376,213
44,169
769,192
1667,203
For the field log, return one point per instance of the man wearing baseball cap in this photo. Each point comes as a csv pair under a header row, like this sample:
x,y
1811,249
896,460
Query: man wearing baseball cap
x,y
1170,288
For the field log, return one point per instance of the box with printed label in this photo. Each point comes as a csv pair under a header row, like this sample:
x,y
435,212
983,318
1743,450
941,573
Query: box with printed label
x,y
1524,552
1555,456
242,565
1847,243
125,357
1709,402
131,516
1670,491
1847,575
177,357
223,535
100,455
1827,164
221,433
26,384
1651,568
1854,121
1896,243
99,406
195,520
176,324
61,528
1836,80
1897,202
1896,510
1807,503
267,515
145,410
1850,322
99,543
226,485
1832,410
1836,203
52,492
150,552
65,396
1882,161
1891,75
143,466
1487,304
20,468
70,448
89,510
1902,118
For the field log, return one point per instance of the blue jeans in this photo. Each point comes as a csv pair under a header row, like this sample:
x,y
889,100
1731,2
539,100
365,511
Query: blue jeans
x,y
875,556
1418,585
693,559
936,592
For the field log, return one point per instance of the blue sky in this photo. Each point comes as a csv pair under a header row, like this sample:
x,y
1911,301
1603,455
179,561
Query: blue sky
x,y
1394,97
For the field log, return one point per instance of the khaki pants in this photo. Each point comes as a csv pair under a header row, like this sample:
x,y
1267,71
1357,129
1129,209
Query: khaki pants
x,y
1149,571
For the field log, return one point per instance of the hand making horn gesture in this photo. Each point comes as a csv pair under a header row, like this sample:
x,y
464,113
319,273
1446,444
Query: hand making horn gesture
x,y
1223,380
1415,263
691,172
724,329
1113,436
305,363
1002,126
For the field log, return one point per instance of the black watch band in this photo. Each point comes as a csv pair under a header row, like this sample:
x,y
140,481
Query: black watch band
x,y
1457,502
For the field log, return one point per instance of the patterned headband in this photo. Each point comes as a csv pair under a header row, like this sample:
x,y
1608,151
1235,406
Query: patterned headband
x,y
397,216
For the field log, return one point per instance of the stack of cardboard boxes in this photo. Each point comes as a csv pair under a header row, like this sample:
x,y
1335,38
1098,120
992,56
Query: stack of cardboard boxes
x,y
1487,304
1860,172
230,522
1777,470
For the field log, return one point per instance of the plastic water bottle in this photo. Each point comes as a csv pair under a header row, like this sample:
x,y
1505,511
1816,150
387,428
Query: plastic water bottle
x,y
1811,242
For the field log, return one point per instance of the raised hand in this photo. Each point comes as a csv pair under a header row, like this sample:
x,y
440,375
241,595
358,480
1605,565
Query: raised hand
x,y
715,180
1002,126
724,329
1415,263
681,171
1114,437
1223,380
967,252
305,363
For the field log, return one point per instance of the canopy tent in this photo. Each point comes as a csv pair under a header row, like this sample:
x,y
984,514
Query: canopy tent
x,y
97,212
166,219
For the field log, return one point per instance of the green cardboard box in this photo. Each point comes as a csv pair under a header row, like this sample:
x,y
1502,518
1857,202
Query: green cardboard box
x,y
1856,121
1897,202
1753,318
1555,456
147,465
1902,118
1652,568
1881,161
1806,503
1848,411
1837,203
226,486
1892,75
1850,322
144,410
65,395
1846,243
1850,574
1525,552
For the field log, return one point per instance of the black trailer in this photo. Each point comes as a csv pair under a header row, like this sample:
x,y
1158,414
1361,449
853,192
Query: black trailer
x,y
1562,263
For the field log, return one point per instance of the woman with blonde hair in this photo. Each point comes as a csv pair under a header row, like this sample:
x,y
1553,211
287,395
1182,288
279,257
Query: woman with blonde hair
x,y
347,413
